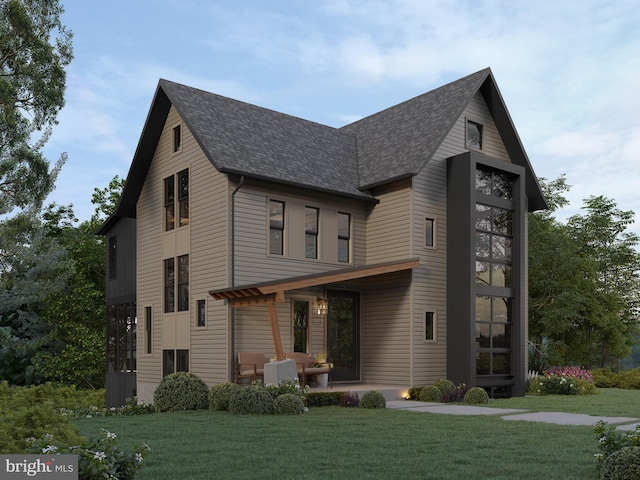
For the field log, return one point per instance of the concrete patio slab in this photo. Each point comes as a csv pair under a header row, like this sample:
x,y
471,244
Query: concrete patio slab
x,y
449,408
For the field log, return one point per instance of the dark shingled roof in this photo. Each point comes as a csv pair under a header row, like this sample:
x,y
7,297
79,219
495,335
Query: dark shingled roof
x,y
244,139
399,141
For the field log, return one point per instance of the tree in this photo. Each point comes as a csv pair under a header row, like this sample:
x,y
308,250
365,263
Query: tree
x,y
35,48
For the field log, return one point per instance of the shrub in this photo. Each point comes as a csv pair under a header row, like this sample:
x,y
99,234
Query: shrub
x,y
430,393
220,395
373,399
628,379
323,399
553,384
476,396
456,394
97,458
622,465
445,386
181,391
414,393
287,385
604,378
567,371
349,399
610,440
251,400
288,404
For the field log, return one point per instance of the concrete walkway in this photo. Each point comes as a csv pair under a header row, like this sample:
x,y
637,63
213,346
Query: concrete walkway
x,y
559,418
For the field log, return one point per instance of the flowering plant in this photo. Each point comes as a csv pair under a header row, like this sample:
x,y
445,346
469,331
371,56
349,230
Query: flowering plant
x,y
610,440
566,371
97,458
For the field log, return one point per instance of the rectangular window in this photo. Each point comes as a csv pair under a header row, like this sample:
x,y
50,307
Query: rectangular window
x,y
429,232
311,232
344,237
183,283
429,326
169,204
276,227
474,135
113,247
169,285
300,326
202,313
168,362
148,328
177,139
182,360
183,198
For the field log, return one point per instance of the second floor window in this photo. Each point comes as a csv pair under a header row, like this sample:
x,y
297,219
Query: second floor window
x,y
276,227
344,237
181,197
310,232
182,284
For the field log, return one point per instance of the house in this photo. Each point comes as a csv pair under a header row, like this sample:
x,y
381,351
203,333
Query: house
x,y
396,244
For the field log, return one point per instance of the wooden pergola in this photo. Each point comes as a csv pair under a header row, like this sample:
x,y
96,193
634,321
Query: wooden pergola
x,y
270,293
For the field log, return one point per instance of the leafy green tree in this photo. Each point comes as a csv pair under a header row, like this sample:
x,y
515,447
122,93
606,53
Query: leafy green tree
x,y
35,48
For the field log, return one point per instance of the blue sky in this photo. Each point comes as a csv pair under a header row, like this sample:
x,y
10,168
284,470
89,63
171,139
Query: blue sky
x,y
569,72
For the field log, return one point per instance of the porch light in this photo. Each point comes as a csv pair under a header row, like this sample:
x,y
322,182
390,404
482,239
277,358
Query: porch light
x,y
321,305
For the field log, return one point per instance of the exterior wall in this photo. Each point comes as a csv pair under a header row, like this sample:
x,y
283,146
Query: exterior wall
x,y
122,288
205,240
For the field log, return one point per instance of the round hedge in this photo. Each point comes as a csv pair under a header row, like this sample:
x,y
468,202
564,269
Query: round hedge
x,y
373,399
181,391
445,386
251,400
476,396
622,465
220,395
288,404
430,393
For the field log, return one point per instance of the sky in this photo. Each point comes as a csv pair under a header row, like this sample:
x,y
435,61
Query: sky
x,y
568,70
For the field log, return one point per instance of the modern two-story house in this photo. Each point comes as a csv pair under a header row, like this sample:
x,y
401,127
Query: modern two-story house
x,y
395,244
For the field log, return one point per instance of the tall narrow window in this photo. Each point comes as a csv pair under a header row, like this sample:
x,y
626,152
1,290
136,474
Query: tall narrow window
x,y
344,237
169,285
276,227
112,246
474,135
169,204
182,360
300,326
429,232
183,198
183,283
311,232
177,138
148,328
202,313
429,326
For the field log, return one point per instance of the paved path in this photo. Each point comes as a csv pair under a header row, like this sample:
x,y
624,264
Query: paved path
x,y
559,418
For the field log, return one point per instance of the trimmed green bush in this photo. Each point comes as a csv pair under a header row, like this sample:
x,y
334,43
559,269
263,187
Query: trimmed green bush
x,y
414,393
181,391
604,378
373,399
629,379
622,465
430,393
445,386
323,399
220,395
476,396
251,400
286,385
288,404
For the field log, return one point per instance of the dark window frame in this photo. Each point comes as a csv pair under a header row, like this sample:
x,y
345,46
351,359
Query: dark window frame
x,y
276,228
169,194
182,292
430,326
344,236
169,281
201,313
183,198
177,139
430,232
311,230
148,329
474,140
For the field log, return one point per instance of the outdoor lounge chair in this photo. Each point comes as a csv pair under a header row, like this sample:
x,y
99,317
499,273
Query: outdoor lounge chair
x,y
250,364
305,366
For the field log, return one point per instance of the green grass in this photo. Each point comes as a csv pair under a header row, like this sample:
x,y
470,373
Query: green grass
x,y
613,402
349,443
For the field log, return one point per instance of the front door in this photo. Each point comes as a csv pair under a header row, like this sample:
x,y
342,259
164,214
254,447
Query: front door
x,y
343,335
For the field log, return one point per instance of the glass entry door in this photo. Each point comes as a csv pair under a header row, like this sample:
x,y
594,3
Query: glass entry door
x,y
343,339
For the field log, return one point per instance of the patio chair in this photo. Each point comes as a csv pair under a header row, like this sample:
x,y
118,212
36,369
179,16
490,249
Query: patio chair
x,y
305,366
250,364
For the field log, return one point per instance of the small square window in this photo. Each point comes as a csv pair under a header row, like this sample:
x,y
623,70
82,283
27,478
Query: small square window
x,y
177,139
429,326
474,135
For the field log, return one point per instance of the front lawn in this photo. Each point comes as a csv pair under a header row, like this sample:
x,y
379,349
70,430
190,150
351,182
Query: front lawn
x,y
350,443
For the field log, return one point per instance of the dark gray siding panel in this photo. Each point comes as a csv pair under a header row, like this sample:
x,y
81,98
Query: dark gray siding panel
x,y
122,288
120,386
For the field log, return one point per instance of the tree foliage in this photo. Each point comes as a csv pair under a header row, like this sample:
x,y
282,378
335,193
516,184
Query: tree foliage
x,y
584,281
35,48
